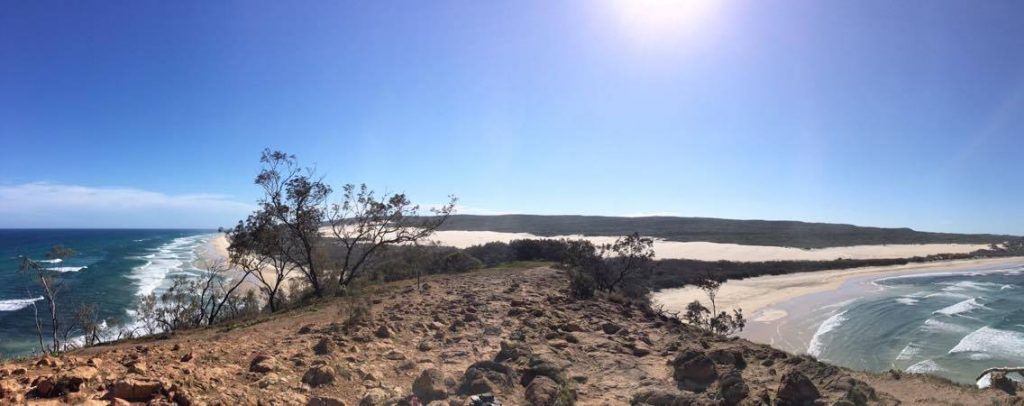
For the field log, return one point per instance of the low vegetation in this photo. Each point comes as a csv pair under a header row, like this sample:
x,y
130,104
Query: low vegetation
x,y
685,229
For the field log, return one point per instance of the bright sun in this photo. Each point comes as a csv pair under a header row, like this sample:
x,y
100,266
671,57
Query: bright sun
x,y
663,20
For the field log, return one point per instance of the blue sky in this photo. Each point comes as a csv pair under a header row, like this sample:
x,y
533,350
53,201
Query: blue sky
x,y
153,114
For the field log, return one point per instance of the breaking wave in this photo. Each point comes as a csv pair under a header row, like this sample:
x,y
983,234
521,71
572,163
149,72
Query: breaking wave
x,y
816,346
11,305
992,341
965,306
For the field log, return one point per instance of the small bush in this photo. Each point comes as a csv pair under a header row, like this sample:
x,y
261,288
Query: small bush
x,y
581,285
356,312
459,262
492,253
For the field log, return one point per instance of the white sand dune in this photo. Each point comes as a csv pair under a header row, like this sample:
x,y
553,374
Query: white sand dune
x,y
708,251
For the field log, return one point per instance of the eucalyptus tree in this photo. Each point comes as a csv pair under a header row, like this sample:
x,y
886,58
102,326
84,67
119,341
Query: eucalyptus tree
x,y
51,283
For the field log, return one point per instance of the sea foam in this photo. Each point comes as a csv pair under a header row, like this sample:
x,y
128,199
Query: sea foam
x,y
816,346
178,255
992,341
960,308
65,269
11,305
923,367
943,327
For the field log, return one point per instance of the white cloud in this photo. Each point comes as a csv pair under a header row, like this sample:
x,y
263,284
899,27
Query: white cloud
x,y
42,204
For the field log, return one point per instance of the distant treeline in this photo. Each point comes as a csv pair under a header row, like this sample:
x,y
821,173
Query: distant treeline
x,y
404,262
688,229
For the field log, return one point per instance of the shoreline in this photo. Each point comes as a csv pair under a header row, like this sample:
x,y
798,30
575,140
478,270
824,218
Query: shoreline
x,y
217,248
769,302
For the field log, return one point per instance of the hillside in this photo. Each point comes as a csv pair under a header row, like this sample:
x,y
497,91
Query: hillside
x,y
686,229
513,332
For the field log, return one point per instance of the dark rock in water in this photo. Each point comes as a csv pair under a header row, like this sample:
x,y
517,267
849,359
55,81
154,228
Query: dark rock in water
x,y
693,369
796,389
543,391
732,388
430,385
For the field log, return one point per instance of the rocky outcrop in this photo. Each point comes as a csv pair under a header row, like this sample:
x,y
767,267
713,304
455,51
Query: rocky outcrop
x,y
430,385
426,346
693,369
796,389
487,376
319,375
732,388
136,390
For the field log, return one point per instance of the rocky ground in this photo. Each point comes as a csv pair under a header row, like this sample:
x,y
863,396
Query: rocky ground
x,y
514,333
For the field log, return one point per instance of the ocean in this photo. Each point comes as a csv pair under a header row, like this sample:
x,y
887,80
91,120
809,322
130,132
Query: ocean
x,y
112,270
953,325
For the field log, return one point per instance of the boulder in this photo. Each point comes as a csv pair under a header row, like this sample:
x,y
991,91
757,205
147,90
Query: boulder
x,y
732,388
857,392
77,376
543,391
319,375
546,365
135,390
511,351
46,387
728,357
138,367
796,389
486,376
663,397
377,397
394,355
692,369
262,364
382,332
325,346
325,401
430,385
610,328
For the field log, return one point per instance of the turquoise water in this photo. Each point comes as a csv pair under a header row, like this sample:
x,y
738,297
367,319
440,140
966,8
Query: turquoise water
x,y
112,269
952,325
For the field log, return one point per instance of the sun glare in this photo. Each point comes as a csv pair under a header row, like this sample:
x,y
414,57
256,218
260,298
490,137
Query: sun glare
x,y
654,21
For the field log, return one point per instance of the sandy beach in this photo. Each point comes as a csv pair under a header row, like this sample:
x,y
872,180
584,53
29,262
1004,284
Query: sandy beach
x,y
217,249
757,296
